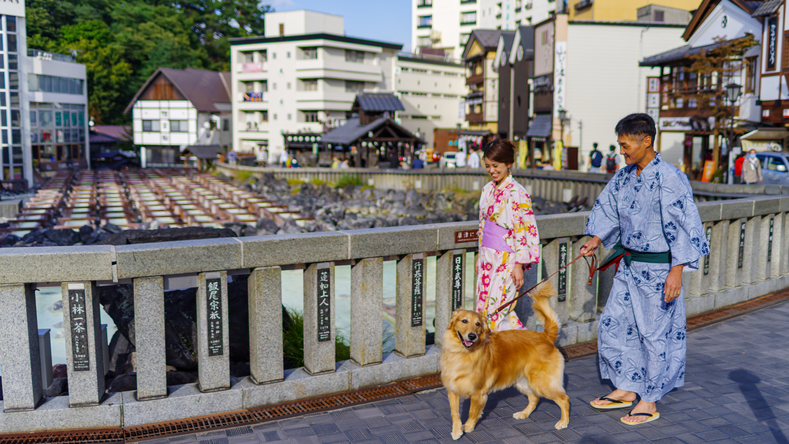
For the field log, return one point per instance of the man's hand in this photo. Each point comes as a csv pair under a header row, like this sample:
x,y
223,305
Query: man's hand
x,y
589,248
517,276
673,283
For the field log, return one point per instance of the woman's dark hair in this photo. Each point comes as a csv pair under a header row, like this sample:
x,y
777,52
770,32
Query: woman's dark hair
x,y
500,150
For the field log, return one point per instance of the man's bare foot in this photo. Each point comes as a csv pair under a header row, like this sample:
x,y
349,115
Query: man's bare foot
x,y
620,395
641,407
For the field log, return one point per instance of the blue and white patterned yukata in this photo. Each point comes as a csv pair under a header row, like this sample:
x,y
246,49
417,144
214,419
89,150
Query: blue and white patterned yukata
x,y
641,339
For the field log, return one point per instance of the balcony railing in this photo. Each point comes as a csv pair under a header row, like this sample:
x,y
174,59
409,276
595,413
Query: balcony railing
x,y
44,55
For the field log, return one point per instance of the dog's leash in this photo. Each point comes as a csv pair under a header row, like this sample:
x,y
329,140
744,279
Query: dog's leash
x,y
592,269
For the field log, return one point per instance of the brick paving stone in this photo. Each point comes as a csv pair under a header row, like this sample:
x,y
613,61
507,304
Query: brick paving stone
x,y
418,436
355,424
336,438
377,421
394,438
272,436
410,426
300,432
356,435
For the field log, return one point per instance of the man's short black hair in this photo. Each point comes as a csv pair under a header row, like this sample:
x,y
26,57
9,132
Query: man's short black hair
x,y
638,124
594,145
612,147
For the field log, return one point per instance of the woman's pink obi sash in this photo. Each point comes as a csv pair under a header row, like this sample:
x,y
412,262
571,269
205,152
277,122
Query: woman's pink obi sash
x,y
493,237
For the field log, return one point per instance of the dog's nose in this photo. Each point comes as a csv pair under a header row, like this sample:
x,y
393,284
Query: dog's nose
x,y
472,336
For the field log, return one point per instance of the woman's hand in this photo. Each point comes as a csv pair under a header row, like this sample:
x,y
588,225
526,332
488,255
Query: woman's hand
x,y
673,283
590,247
517,276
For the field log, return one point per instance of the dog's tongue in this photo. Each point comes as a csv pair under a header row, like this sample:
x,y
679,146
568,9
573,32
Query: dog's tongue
x,y
467,343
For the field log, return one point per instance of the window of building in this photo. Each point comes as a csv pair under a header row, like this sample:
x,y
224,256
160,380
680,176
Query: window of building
x,y
264,86
423,41
264,116
179,126
37,82
250,86
424,3
248,57
309,53
149,126
425,21
225,124
468,18
310,84
263,56
354,56
750,76
11,42
287,55
281,29
288,85
310,116
275,116
660,16
289,117
354,86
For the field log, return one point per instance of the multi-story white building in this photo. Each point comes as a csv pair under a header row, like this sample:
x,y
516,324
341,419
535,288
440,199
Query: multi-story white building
x,y
178,108
447,24
431,91
43,103
302,77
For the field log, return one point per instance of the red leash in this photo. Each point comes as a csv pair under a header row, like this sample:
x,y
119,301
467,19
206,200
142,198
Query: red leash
x,y
592,270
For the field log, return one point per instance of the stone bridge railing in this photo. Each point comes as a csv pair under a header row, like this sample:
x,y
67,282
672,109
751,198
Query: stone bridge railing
x,y
749,258
560,186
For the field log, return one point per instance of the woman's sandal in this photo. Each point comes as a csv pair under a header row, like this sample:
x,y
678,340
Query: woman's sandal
x,y
614,404
652,417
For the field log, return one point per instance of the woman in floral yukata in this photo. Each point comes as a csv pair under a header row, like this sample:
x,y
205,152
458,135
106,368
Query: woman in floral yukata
x,y
508,237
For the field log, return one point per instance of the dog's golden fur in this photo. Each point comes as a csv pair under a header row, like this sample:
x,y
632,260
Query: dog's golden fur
x,y
495,361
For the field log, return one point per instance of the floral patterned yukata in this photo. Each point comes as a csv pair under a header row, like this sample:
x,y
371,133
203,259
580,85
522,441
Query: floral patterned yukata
x,y
508,206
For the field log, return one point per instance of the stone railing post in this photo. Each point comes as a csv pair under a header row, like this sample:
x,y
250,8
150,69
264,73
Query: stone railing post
x,y
696,285
410,306
554,255
784,245
319,314
84,352
265,325
213,339
582,304
19,353
751,254
735,259
149,338
776,252
718,257
450,289
367,299
764,247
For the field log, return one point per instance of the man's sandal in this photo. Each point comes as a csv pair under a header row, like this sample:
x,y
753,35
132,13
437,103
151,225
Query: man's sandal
x,y
614,404
652,417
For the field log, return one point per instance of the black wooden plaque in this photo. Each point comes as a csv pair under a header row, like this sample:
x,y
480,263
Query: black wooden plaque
x,y
213,291
707,257
324,304
78,307
457,281
770,241
562,272
417,275
742,245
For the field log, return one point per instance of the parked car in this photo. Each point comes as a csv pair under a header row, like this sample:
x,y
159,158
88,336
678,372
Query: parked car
x,y
448,160
775,168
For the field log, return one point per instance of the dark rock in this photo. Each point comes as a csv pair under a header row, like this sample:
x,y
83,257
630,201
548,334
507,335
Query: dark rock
x,y
408,220
120,350
267,224
59,387
110,228
123,383
59,371
85,232
181,378
165,235
238,228
63,238
36,235
9,240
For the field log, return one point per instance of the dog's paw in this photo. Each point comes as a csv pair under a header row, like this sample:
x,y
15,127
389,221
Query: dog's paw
x,y
520,415
561,425
469,427
457,434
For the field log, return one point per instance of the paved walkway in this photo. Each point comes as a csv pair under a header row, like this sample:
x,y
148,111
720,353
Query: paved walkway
x,y
737,391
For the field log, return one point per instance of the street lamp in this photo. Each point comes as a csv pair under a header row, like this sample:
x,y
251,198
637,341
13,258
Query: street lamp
x,y
732,94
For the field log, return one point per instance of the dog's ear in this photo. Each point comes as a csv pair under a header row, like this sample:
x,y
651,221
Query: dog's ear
x,y
485,324
453,317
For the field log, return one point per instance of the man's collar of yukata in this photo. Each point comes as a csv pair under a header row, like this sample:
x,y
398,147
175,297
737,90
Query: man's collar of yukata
x,y
655,161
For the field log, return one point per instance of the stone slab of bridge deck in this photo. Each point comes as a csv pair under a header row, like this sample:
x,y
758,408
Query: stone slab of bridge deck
x,y
725,399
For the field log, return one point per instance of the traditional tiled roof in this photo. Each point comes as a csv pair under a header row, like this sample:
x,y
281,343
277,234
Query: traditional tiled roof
x,y
675,54
767,7
377,102
202,88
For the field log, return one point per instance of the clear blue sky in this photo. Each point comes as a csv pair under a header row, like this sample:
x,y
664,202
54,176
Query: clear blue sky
x,y
385,20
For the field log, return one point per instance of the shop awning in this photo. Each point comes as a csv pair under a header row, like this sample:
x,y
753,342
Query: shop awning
x,y
540,126
766,134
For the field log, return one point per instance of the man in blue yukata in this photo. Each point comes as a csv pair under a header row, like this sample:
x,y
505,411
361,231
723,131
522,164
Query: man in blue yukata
x,y
647,215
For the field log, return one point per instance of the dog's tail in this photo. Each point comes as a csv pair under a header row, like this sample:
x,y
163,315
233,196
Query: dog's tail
x,y
542,307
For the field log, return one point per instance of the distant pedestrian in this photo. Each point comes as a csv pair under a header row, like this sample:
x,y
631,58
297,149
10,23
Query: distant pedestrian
x,y
751,169
294,163
262,157
473,159
335,163
283,158
611,161
232,157
460,160
738,168
595,160
417,164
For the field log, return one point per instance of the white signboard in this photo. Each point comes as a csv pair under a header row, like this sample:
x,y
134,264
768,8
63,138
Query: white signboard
x,y
12,7
462,110
674,124
559,77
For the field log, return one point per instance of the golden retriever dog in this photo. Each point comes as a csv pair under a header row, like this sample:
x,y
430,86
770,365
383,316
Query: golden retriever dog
x,y
476,361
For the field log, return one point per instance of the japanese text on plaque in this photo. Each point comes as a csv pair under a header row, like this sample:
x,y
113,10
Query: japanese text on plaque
x,y
324,305
457,281
416,292
79,330
214,310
